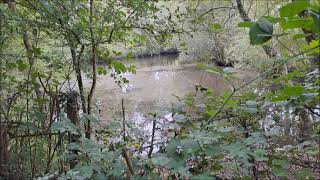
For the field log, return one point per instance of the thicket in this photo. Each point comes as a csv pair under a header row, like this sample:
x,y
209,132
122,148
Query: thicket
x,y
265,128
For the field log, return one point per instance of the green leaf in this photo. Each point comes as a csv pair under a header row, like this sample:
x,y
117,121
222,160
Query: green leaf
x,y
130,55
217,26
118,66
279,171
179,118
260,155
255,139
36,51
252,104
22,65
190,145
279,167
74,146
305,173
88,117
86,171
118,167
204,176
316,22
212,149
101,70
313,44
172,147
161,160
65,125
315,7
250,110
265,25
293,91
100,176
245,24
261,31
296,22
183,45
272,19
211,112
293,8
299,36
91,147
182,170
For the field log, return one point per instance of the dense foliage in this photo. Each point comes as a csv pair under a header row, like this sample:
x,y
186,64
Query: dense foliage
x,y
264,128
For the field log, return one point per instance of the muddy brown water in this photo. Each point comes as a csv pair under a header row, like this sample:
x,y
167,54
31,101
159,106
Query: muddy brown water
x,y
158,82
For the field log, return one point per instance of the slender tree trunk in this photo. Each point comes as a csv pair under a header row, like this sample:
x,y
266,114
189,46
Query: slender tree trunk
x,y
94,79
243,14
31,59
94,70
77,68
4,151
72,111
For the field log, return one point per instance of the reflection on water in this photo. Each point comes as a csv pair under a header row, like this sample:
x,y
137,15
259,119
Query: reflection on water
x,y
155,87
158,83
156,60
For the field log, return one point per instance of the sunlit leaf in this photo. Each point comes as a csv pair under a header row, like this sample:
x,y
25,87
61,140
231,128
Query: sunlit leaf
x,y
293,8
293,91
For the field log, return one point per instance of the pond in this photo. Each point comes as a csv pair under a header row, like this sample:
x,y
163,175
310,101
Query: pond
x,y
160,82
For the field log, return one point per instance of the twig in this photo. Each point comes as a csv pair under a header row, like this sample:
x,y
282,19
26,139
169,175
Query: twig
x,y
54,150
34,135
123,120
114,27
154,123
312,111
212,9
284,46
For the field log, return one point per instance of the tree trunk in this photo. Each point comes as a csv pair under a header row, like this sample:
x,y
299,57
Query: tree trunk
x,y
29,48
94,70
305,125
77,68
4,151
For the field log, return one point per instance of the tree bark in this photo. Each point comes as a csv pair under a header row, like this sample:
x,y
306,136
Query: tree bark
x,y
4,151
76,65
94,70
72,110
